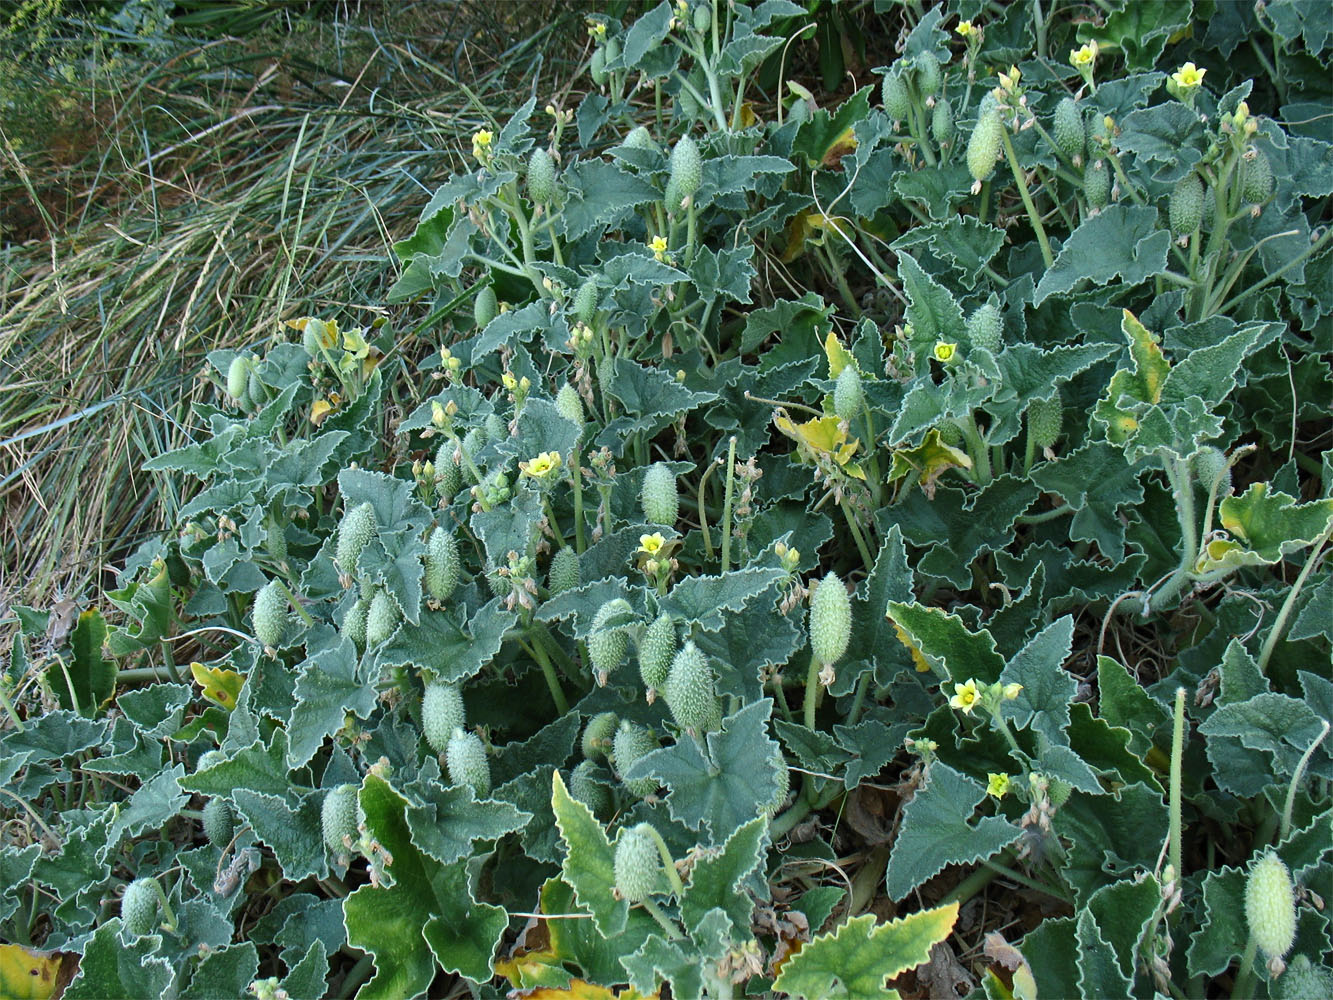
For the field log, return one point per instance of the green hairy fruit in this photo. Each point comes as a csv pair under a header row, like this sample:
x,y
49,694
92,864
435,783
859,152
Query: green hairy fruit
x,y
255,388
1256,176
485,307
848,396
1044,420
564,573
585,786
354,625
984,328
541,176
1211,466
1185,209
597,67
381,618
356,530
639,138
1095,135
1097,184
927,74
941,123
830,620
275,539
631,743
638,864
656,650
568,403
448,480
465,758
441,713
703,17
983,147
1270,905
139,906
686,166
893,93
585,301
689,690
599,735
219,823
270,614
442,564
1303,980
1067,130
495,427
337,818
658,498
606,646
238,378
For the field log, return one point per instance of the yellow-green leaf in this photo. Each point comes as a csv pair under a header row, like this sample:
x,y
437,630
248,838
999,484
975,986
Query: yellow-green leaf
x,y
28,975
219,685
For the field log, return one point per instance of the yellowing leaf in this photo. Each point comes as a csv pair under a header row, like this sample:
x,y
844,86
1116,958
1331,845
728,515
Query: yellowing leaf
x,y
1150,364
918,659
823,437
842,146
319,411
838,356
220,686
928,461
28,975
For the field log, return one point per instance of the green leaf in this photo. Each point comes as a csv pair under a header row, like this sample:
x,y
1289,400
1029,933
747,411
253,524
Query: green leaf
x,y
1043,704
807,316
1222,933
1125,704
823,135
967,244
579,941
716,880
227,972
328,689
657,959
858,958
1110,837
726,274
1123,241
646,34
156,711
935,830
1167,133
148,606
873,637
651,396
1266,526
112,967
589,865
944,644
1273,723
86,681
1098,973
933,313
1316,618
511,526
294,835
726,788
700,600
152,804
55,735
440,644
1097,482
1139,31
257,767
1211,372
307,977
601,195
451,820
1123,913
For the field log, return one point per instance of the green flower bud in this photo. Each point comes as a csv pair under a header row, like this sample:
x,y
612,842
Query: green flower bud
x,y
848,397
441,713
830,620
270,614
1270,906
219,823
356,530
465,758
381,619
139,906
442,564
983,147
656,651
337,818
599,735
631,743
541,176
689,690
658,498
638,864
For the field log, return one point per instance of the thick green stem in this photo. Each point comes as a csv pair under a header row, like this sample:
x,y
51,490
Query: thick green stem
x,y
726,505
1284,613
811,693
1182,485
1177,759
666,923
859,700
9,710
1033,216
579,543
1290,802
1243,988
535,650
861,546
668,864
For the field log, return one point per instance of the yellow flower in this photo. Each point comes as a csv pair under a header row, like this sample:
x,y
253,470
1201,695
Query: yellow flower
x,y
658,245
509,382
1188,76
965,29
997,785
597,30
1083,58
944,352
651,544
541,467
481,144
966,696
